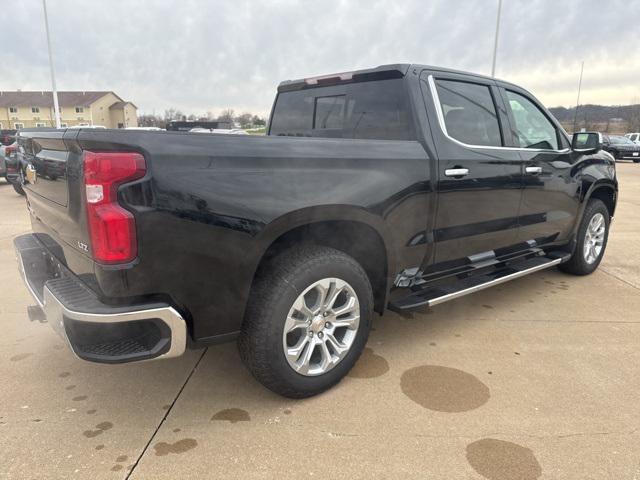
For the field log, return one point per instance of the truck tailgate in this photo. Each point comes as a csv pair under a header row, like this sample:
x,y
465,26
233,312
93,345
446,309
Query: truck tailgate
x,y
52,166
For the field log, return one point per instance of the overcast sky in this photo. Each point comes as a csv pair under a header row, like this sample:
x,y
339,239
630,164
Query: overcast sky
x,y
207,55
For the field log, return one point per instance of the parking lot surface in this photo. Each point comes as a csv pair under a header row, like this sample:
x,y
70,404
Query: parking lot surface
x,y
536,378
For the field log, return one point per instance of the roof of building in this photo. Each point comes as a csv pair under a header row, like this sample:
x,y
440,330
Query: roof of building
x,y
122,104
45,99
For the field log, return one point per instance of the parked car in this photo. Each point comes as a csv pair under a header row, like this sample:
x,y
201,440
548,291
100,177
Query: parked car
x,y
185,126
7,137
634,137
3,165
621,147
225,131
401,187
13,173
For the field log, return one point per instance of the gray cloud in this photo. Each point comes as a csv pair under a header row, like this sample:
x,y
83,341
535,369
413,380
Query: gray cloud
x,y
200,55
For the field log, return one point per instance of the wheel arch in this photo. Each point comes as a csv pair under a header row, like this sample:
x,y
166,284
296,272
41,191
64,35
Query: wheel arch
x,y
354,231
605,190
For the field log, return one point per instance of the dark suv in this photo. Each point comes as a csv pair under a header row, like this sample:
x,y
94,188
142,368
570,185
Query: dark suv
x,y
621,147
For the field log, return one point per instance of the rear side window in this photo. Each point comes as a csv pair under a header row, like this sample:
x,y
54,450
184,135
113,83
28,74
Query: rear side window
x,y
469,113
293,115
533,128
366,110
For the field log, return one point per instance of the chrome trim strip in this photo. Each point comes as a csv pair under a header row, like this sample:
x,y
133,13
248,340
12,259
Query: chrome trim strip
x,y
456,172
23,274
443,127
55,311
497,281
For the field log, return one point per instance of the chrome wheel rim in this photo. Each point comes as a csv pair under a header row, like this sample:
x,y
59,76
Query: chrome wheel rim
x,y
594,238
321,327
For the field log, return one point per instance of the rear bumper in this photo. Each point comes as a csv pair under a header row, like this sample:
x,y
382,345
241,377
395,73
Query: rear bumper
x,y
95,331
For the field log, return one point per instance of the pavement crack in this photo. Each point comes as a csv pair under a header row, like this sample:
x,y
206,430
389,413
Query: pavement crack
x,y
166,414
612,322
620,279
559,436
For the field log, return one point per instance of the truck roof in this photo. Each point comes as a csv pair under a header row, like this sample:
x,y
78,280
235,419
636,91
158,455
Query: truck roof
x,y
381,72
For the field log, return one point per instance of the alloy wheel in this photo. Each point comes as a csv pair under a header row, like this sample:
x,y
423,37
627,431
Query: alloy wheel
x,y
594,238
321,327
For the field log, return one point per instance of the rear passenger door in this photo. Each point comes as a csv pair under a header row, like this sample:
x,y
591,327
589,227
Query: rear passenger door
x,y
479,179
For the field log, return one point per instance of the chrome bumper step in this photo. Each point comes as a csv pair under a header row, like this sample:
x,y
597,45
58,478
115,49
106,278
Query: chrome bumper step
x,y
93,330
434,293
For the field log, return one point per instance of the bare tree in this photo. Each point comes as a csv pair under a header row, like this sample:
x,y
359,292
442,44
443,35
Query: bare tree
x,y
633,116
245,120
173,114
227,115
258,121
150,120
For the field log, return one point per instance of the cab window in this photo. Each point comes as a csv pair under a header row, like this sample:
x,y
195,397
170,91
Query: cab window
x,y
376,110
532,127
469,113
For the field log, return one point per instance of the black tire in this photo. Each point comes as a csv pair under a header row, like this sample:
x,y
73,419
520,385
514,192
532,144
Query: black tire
x,y
277,286
636,160
577,264
18,188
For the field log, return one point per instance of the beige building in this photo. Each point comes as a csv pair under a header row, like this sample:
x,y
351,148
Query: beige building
x,y
35,109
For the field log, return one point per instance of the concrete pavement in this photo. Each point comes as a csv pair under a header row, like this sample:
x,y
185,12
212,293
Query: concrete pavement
x,y
536,378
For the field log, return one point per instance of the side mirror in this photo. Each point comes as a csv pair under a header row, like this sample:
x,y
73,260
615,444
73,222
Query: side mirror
x,y
586,142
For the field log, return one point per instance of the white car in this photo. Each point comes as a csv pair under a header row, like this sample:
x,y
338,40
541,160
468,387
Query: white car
x,y
227,131
150,129
634,137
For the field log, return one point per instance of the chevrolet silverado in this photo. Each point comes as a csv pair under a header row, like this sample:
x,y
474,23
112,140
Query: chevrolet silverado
x,y
396,187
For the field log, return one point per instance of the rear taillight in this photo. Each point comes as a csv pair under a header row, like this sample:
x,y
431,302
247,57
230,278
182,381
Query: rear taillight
x,y
112,229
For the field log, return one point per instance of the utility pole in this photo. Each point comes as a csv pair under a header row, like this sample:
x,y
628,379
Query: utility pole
x,y
575,114
495,42
56,108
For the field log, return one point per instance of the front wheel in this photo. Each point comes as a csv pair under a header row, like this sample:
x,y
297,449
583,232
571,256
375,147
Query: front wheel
x,y
593,234
307,320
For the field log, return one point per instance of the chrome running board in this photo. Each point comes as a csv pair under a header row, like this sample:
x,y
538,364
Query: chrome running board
x,y
434,294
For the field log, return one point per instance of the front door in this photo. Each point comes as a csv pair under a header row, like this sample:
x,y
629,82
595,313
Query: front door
x,y
550,195
479,176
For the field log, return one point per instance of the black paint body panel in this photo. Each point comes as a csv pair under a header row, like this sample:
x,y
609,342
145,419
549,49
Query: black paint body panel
x,y
210,206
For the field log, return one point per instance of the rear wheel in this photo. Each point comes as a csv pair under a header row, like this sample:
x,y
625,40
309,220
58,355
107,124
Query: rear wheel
x,y
307,321
593,234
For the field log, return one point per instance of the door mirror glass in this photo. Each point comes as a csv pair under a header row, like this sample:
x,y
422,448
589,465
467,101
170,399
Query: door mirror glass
x,y
586,142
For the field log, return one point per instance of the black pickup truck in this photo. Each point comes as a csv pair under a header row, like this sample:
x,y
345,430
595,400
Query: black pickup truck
x,y
397,187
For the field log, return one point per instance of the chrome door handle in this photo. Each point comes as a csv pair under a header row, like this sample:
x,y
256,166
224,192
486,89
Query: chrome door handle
x,y
533,170
456,172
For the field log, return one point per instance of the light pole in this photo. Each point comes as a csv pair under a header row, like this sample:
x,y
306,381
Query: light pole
x,y
495,41
575,114
56,108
